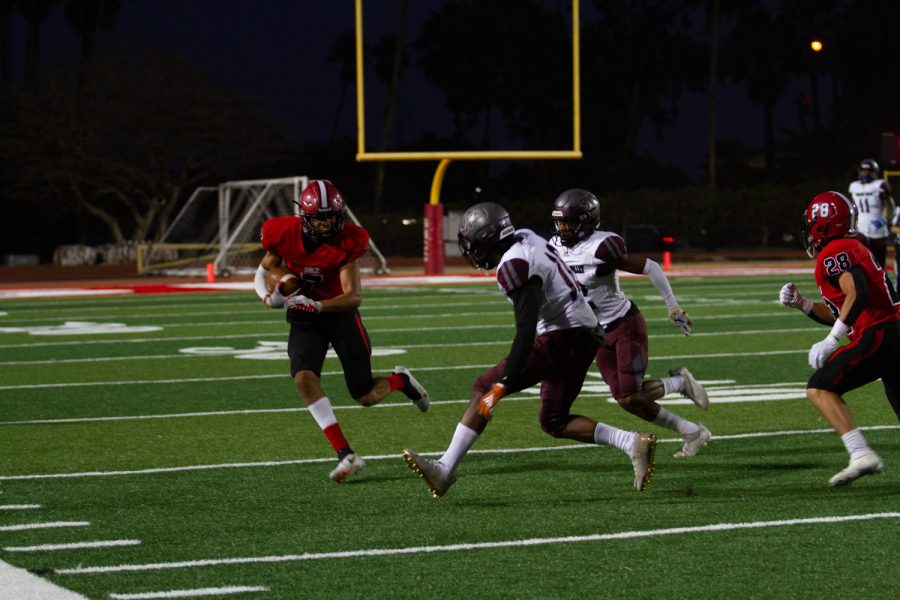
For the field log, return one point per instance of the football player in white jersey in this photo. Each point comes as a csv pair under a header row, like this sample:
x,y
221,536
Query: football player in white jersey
x,y
875,207
595,256
556,338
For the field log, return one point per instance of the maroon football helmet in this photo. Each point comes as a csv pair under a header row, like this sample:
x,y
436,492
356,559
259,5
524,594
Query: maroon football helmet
x,y
322,210
829,215
580,209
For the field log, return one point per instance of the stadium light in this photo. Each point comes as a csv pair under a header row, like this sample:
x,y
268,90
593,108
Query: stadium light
x,y
816,45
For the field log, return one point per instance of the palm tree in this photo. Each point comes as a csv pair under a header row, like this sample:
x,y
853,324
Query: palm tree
x,y
389,56
87,17
342,53
34,13
6,10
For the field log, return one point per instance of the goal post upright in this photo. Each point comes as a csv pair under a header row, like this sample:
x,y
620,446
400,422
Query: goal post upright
x,y
433,242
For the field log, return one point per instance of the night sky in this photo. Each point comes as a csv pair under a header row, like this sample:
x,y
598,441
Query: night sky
x,y
274,51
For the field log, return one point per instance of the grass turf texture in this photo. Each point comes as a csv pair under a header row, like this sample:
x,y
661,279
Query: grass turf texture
x,y
255,485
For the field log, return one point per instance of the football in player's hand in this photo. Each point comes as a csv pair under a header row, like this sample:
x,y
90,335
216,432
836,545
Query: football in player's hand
x,y
282,278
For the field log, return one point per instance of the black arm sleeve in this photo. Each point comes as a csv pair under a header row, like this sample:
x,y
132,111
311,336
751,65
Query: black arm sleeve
x,y
527,303
862,295
812,315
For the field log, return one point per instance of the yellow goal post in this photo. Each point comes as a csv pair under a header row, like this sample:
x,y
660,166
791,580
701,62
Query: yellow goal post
x,y
433,227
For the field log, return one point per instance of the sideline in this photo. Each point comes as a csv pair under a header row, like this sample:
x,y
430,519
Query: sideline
x,y
384,281
19,584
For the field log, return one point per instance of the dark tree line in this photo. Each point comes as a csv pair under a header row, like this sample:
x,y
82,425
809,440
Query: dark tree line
x,y
109,145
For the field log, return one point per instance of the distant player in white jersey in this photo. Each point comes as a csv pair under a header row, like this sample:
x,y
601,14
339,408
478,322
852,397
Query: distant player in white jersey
x,y
875,207
556,338
595,256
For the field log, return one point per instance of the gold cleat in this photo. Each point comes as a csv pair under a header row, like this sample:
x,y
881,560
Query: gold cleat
x,y
643,459
431,471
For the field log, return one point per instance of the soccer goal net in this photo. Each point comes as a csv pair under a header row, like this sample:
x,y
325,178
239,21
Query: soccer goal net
x,y
220,225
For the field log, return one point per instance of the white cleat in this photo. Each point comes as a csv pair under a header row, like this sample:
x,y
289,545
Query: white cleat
x,y
432,471
692,388
693,442
413,390
643,459
867,464
348,465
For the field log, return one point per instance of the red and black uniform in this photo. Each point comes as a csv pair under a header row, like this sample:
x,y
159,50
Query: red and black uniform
x,y
874,320
318,270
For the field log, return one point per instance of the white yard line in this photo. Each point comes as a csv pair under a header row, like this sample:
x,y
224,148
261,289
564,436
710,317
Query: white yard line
x,y
282,333
307,461
19,584
47,525
180,355
573,539
73,546
195,593
19,506
74,384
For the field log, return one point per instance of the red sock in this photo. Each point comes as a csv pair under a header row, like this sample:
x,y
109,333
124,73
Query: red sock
x,y
336,437
396,382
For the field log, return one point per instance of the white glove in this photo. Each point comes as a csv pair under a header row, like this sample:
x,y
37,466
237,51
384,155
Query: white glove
x,y
274,300
301,302
819,353
789,296
680,319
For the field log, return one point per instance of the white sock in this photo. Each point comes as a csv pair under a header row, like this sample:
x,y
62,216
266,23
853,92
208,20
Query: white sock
x,y
855,443
675,383
322,412
670,420
607,435
463,439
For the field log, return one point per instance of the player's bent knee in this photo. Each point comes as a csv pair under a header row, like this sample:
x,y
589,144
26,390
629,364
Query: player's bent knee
x,y
555,425
632,402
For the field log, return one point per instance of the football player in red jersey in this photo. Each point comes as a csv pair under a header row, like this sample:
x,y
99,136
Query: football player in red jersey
x,y
859,301
323,251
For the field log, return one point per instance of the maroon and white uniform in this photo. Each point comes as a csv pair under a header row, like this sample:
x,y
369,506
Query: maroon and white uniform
x,y
561,354
623,357
594,261
867,196
564,304
319,270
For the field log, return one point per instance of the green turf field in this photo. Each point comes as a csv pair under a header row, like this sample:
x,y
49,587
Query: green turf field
x,y
156,443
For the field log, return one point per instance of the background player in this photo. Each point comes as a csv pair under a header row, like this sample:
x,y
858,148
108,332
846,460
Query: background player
x,y
860,302
323,252
595,256
548,302
875,208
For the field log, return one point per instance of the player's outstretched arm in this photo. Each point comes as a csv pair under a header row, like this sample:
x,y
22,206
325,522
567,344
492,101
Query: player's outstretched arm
x,y
654,272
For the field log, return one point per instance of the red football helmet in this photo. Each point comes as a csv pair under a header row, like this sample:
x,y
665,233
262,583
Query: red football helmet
x,y
322,210
829,215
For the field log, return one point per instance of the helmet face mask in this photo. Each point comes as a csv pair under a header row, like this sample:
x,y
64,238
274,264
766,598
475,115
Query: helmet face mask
x,y
576,214
868,170
322,211
485,233
828,216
